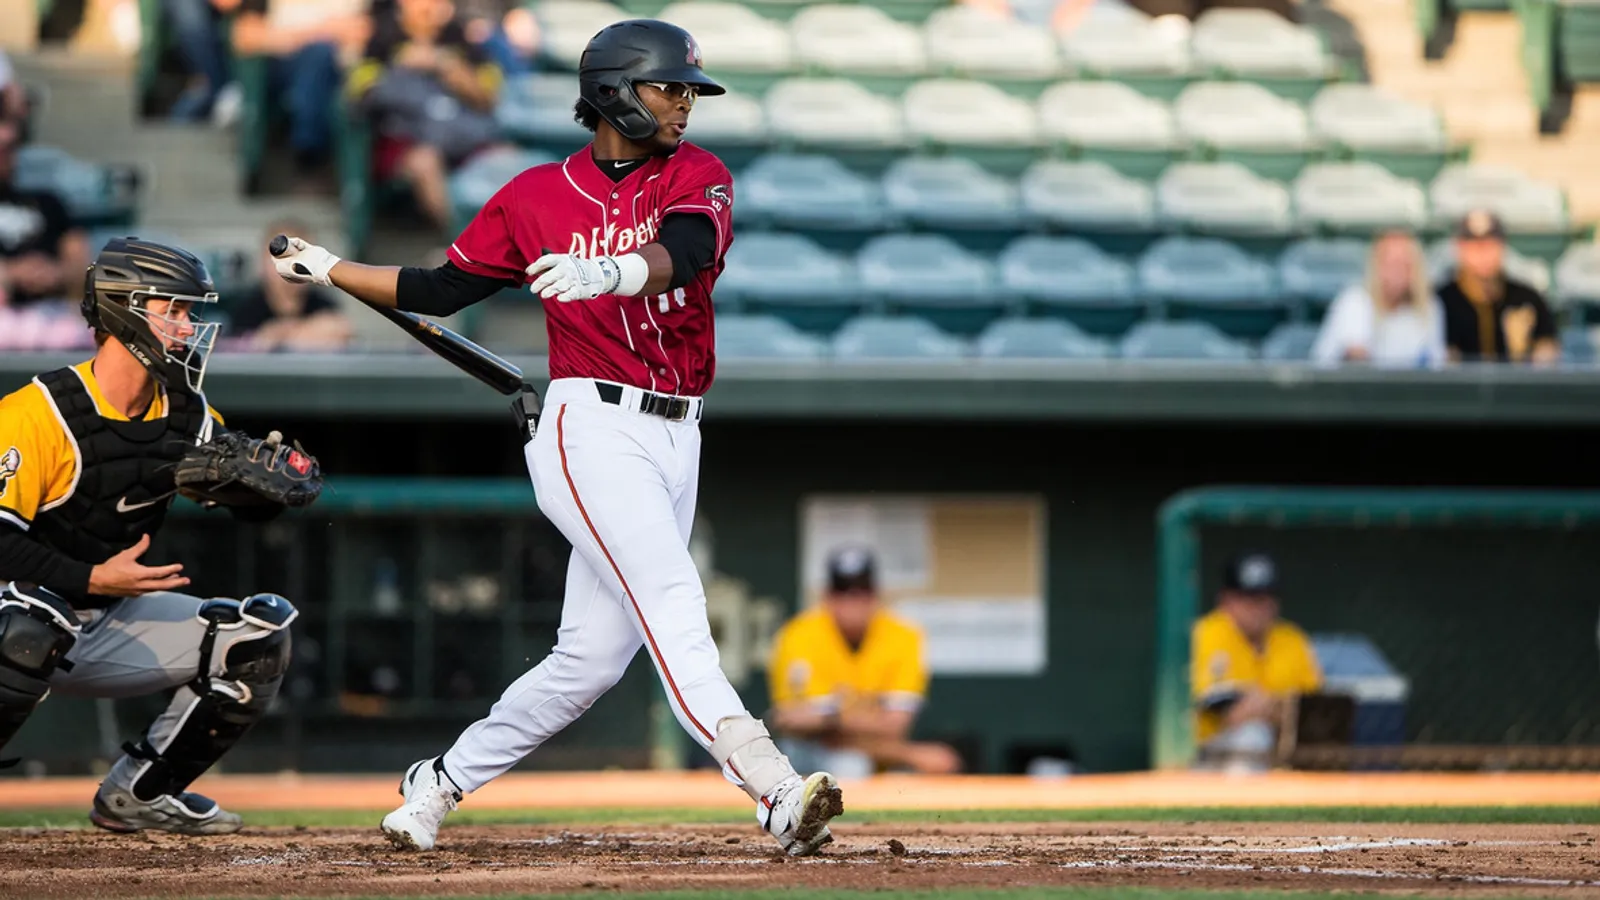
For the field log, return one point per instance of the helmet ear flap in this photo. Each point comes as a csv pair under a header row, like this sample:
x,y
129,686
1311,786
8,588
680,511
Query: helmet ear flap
x,y
90,307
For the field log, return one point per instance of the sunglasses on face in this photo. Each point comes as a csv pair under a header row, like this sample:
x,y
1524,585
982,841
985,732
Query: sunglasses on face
x,y
675,90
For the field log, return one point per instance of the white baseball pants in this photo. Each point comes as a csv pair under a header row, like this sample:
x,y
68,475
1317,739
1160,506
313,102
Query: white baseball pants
x,y
621,486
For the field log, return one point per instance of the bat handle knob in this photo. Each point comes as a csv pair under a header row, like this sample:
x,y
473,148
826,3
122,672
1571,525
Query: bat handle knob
x,y
279,245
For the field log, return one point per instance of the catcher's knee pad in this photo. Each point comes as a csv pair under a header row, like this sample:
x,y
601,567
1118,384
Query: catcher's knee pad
x,y
37,628
251,640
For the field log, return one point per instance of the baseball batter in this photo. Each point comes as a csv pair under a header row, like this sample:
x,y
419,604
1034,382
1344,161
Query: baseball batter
x,y
623,241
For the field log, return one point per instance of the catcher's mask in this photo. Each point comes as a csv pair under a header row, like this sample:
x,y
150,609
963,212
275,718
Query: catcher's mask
x,y
150,298
626,53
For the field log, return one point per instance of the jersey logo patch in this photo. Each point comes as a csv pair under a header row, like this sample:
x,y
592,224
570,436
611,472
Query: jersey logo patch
x,y
720,192
10,465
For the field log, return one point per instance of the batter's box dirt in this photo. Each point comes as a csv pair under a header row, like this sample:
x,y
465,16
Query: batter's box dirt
x,y
1442,859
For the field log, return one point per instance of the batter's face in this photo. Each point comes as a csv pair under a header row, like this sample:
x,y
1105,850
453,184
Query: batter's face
x,y
670,104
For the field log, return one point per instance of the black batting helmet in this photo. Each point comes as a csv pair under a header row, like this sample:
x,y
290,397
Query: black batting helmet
x,y
117,288
631,51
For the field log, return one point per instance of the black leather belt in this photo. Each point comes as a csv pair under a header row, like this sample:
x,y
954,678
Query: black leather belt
x,y
674,409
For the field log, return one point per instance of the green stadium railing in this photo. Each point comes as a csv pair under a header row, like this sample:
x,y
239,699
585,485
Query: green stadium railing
x,y
1179,576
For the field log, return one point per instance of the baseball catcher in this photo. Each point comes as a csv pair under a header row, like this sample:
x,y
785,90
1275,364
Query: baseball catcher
x,y
91,457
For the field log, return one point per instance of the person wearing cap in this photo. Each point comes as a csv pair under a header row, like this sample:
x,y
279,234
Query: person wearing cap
x,y
848,679
1246,665
1490,316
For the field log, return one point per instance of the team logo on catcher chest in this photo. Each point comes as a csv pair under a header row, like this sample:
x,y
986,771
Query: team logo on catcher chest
x,y
10,465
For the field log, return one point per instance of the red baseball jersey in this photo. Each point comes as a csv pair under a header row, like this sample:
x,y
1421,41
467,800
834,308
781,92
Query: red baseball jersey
x,y
661,342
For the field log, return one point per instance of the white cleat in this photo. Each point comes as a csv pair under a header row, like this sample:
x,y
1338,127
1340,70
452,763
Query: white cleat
x,y
800,812
430,796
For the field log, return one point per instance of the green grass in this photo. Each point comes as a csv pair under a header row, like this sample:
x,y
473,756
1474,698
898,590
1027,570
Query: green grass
x,y
1461,815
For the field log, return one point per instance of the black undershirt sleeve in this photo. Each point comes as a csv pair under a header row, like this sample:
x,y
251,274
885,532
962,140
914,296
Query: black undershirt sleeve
x,y
24,559
689,238
444,291
691,241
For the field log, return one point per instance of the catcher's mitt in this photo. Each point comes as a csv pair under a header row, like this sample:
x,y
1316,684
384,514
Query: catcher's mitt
x,y
234,469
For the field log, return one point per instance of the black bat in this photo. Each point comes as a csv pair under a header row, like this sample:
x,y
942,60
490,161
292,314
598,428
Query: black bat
x,y
452,347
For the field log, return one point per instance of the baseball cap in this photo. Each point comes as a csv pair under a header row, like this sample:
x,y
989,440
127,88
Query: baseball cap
x,y
852,570
1251,573
1480,224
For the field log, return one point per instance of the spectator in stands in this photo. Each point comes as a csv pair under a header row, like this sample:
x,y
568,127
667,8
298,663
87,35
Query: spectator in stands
x,y
506,31
1247,666
275,315
196,27
848,679
430,93
305,40
13,97
1490,316
43,255
1392,319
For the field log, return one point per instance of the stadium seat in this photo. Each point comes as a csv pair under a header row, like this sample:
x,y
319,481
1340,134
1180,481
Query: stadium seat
x,y
536,110
1317,269
734,126
1260,45
1038,339
837,114
1290,342
1086,196
895,337
967,42
950,193
93,193
790,276
479,178
861,42
810,193
765,337
974,119
745,50
1160,340
1110,122
1224,197
1127,45
1072,279
1374,125
933,277
1245,123
1577,280
1530,270
1577,346
1359,197
1214,281
1522,202
567,26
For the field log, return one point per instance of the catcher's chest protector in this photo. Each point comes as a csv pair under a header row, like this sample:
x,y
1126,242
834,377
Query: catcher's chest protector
x,y
124,481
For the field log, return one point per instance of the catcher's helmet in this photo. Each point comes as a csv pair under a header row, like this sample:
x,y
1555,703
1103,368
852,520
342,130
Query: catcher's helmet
x,y
635,50
117,288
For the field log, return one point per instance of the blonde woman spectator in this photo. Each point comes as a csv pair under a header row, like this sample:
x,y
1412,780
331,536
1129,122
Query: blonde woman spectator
x,y
1392,319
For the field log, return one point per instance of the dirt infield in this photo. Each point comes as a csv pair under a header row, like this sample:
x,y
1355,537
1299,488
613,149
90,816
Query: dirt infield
x,y
942,852
1436,860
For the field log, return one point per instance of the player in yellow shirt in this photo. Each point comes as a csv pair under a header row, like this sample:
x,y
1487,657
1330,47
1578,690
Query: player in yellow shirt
x,y
848,679
1246,665
90,458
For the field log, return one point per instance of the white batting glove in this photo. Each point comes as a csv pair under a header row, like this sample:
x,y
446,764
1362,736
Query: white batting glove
x,y
305,263
568,277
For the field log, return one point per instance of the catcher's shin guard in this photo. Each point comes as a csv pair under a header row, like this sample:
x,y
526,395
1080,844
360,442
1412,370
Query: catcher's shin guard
x,y
37,628
252,639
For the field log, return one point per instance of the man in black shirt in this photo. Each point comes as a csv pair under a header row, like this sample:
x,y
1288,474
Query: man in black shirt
x,y
1489,316
39,245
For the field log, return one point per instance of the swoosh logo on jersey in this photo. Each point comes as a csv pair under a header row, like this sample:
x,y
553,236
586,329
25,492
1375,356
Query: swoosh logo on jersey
x,y
618,165
123,506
